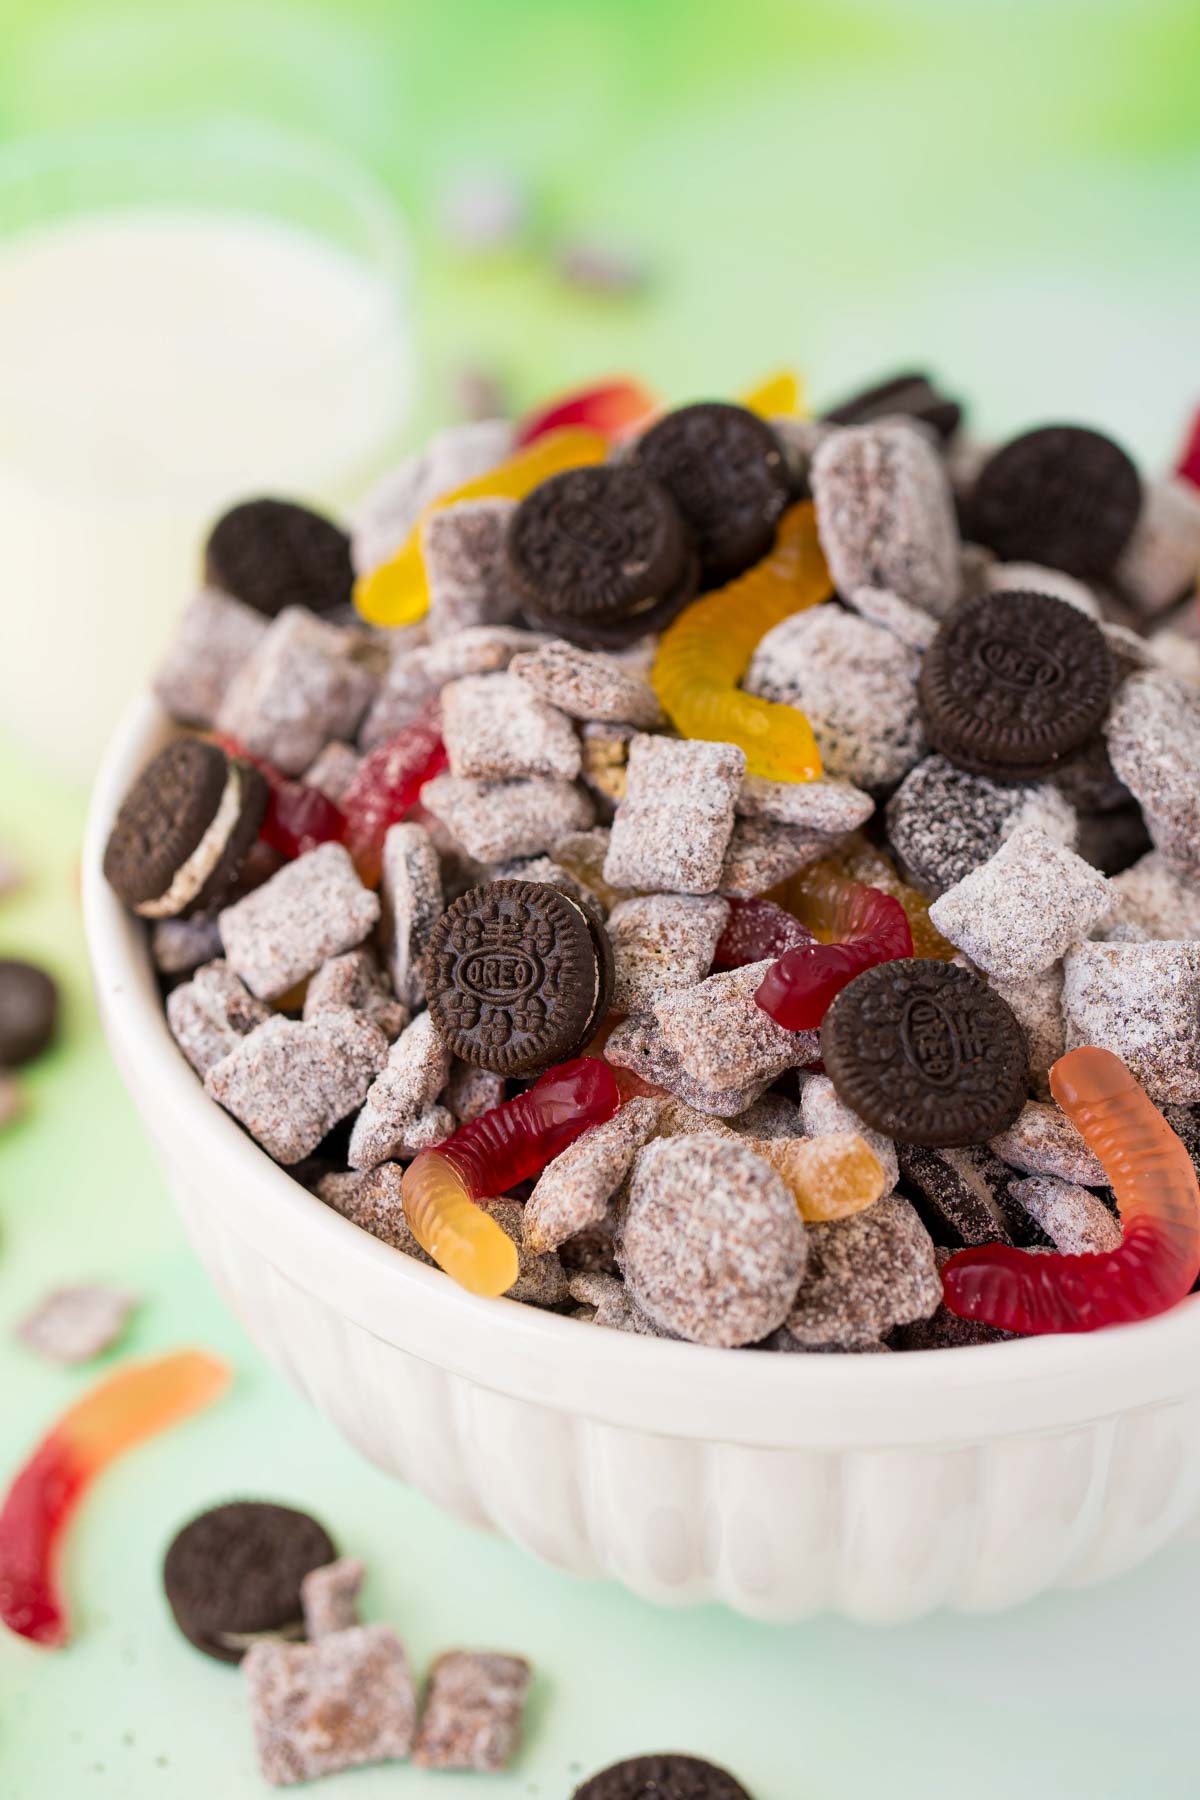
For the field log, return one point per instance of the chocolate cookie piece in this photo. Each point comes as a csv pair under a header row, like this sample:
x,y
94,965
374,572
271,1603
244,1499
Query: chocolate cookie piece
x,y
912,394
725,470
184,829
666,1777
273,553
1013,684
28,1012
926,1053
234,1574
1061,495
518,975
600,555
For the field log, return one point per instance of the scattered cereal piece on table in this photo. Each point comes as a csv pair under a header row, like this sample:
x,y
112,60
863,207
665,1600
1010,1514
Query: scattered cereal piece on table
x,y
329,1596
866,1275
313,909
215,635
290,1082
1018,913
672,829
885,514
301,686
1141,1002
495,820
856,685
340,1703
210,1015
573,1191
75,1324
712,1246
471,1717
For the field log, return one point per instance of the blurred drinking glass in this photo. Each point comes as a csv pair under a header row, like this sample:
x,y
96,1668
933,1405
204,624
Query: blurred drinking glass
x,y
187,317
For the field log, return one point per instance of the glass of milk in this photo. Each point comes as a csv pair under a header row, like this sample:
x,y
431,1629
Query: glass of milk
x,y
187,317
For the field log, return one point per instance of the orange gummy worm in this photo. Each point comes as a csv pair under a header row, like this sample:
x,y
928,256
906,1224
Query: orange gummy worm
x,y
705,653
1157,1195
134,1403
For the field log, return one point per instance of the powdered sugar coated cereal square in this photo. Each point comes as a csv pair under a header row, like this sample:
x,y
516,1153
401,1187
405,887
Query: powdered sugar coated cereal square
x,y
311,910
672,829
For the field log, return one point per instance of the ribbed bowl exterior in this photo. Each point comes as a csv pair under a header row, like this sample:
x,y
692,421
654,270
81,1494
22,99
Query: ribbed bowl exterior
x,y
875,1487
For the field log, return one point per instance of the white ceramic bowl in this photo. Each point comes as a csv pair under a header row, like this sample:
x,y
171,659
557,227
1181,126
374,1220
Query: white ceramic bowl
x,y
876,1486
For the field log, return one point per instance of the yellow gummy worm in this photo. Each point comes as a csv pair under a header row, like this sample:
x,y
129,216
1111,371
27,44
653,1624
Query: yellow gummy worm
x,y
397,592
780,393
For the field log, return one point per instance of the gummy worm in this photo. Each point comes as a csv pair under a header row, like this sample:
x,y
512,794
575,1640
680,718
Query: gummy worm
x,y
778,394
706,651
858,860
865,927
613,408
1158,1198
755,930
397,593
488,1156
132,1404
387,785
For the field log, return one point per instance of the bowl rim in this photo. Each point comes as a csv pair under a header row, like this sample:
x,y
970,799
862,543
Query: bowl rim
x,y
658,1386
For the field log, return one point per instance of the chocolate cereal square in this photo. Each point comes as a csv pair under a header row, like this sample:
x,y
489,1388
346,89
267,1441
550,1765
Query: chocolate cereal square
x,y
662,942
588,685
311,910
1142,1002
340,1703
210,1015
496,820
214,637
885,514
301,686
672,829
472,1713
463,550
1019,912
495,727
291,1081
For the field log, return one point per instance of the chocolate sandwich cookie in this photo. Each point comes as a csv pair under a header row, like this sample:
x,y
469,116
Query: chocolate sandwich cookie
x,y
273,553
926,1053
518,975
600,556
666,1777
28,1012
911,394
184,830
726,472
1062,496
233,1575
1013,684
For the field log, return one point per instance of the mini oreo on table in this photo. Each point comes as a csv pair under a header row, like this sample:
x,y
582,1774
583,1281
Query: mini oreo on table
x,y
518,976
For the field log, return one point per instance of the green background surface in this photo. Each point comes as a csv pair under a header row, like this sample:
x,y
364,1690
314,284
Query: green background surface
x,y
1009,190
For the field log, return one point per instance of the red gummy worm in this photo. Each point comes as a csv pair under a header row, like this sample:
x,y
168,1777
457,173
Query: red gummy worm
x,y
612,408
867,926
755,930
1188,466
298,817
386,786
1158,1196
516,1140
129,1405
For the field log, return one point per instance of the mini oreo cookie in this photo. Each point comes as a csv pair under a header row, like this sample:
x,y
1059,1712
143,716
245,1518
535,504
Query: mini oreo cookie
x,y
1014,683
1062,496
926,1053
665,1777
518,975
912,395
726,472
28,1012
600,555
233,1575
273,553
184,830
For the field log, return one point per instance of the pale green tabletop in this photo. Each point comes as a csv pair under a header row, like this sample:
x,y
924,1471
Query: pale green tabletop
x,y
1011,195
